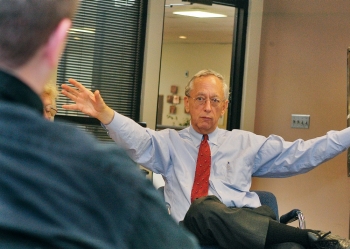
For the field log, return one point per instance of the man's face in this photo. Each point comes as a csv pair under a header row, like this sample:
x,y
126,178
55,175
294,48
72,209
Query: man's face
x,y
204,114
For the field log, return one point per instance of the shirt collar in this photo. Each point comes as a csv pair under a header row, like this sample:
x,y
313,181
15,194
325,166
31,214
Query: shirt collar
x,y
14,90
197,137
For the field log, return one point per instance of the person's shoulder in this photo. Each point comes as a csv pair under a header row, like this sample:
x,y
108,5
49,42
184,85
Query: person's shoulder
x,y
184,133
84,142
103,159
71,133
241,132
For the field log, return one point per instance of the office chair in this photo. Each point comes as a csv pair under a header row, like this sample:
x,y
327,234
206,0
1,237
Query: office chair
x,y
269,199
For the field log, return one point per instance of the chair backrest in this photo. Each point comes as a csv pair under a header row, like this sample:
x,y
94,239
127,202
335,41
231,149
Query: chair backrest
x,y
266,198
269,199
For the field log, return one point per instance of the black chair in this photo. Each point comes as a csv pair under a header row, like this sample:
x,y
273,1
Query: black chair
x,y
269,199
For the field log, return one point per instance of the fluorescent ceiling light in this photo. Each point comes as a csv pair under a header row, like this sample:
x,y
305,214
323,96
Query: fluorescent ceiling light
x,y
197,13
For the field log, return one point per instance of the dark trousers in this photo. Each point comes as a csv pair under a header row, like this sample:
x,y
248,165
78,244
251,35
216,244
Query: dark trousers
x,y
215,224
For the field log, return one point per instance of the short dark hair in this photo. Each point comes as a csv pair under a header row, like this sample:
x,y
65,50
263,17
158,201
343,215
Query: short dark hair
x,y
25,25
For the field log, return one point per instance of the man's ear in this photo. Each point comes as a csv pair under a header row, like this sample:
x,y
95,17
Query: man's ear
x,y
224,108
187,104
55,45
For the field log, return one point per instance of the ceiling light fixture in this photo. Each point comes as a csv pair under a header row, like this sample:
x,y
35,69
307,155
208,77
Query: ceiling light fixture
x,y
182,37
176,4
199,14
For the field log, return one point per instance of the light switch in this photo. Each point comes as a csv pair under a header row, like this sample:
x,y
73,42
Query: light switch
x,y
300,121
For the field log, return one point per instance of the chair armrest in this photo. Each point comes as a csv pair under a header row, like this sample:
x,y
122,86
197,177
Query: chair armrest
x,y
294,215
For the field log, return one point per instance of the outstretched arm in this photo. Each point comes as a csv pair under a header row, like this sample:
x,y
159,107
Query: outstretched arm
x,y
87,102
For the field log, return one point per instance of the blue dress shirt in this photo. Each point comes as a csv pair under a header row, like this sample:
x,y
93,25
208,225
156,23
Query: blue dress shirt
x,y
237,155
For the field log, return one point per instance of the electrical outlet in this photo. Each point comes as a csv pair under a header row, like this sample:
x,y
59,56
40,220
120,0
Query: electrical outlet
x,y
300,121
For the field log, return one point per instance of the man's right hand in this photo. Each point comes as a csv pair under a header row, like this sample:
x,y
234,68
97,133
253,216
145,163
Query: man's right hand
x,y
87,102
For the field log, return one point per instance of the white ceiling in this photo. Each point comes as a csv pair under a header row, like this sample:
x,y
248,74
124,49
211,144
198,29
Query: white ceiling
x,y
197,30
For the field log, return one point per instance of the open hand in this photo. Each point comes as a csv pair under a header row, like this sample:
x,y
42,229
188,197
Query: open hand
x,y
87,102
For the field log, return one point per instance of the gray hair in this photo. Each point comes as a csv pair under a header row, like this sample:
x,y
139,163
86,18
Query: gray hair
x,y
207,72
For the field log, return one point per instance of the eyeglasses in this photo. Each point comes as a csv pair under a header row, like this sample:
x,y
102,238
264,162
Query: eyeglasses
x,y
214,102
51,110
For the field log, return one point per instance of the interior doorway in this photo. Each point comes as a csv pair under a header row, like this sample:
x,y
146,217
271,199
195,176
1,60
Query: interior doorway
x,y
191,44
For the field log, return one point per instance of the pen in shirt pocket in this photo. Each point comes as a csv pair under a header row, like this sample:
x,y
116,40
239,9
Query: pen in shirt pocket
x,y
228,169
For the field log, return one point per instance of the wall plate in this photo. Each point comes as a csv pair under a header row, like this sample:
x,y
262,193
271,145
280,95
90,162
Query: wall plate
x,y
300,121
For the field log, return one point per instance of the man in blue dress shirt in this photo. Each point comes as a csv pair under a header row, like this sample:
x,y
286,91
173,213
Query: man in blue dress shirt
x,y
230,215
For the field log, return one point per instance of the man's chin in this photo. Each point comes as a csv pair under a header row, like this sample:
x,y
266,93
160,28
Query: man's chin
x,y
206,128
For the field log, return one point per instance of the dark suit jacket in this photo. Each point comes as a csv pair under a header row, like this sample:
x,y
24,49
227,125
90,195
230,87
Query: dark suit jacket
x,y
60,188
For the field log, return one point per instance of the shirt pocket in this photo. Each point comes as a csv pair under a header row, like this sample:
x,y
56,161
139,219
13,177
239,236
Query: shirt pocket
x,y
236,175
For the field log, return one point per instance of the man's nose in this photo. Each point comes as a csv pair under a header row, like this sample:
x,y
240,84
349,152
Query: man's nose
x,y
207,105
